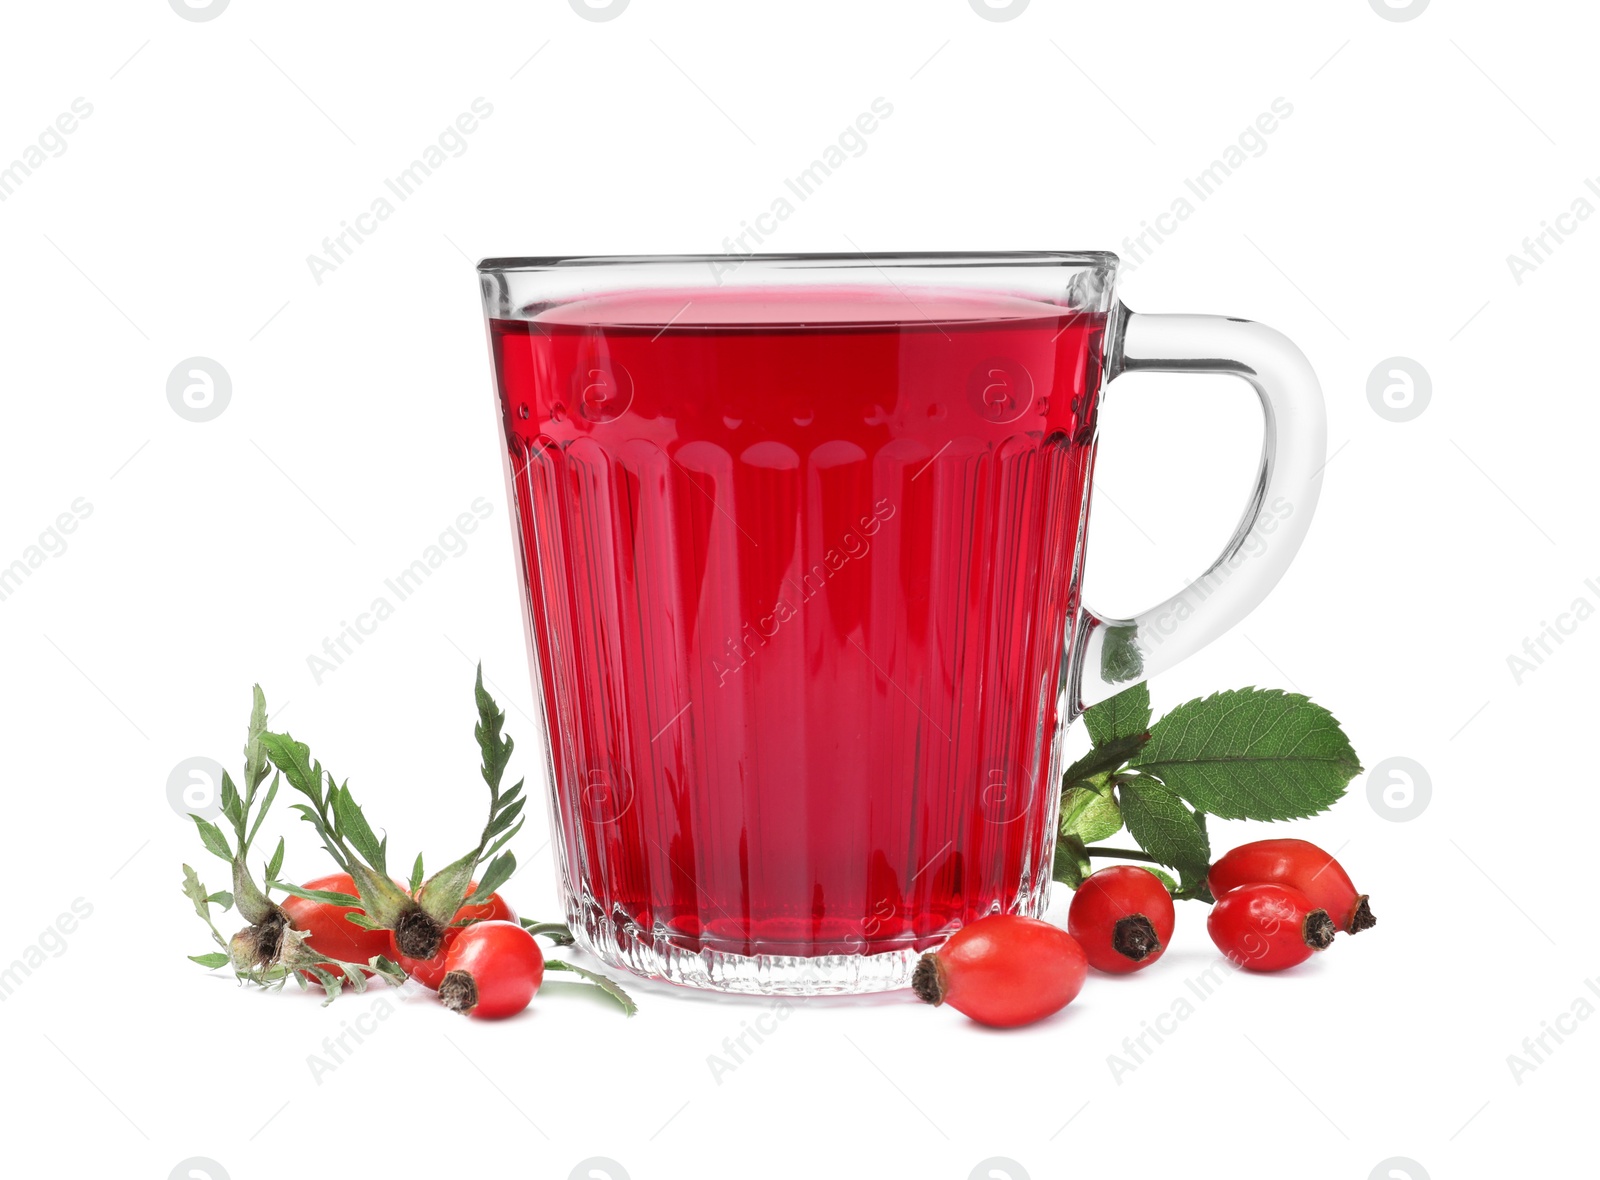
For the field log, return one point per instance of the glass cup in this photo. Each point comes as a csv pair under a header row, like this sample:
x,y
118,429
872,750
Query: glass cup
x,y
801,540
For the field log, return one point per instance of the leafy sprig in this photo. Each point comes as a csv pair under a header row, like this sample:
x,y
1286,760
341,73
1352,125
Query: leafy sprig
x,y
269,950
1248,753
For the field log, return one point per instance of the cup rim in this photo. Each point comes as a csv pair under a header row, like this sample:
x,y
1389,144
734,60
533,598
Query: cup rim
x,y
942,258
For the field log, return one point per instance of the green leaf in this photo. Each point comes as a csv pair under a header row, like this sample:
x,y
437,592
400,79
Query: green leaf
x,y
211,961
1164,878
496,750
232,805
222,898
255,755
387,968
556,932
1104,759
356,917
1120,657
327,896
416,874
1072,861
195,892
610,987
506,817
1088,814
1121,716
275,863
294,760
1251,754
211,836
266,806
496,875
1163,826
354,827
329,844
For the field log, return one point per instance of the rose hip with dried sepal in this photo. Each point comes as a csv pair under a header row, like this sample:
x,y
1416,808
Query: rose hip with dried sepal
x,y
1268,927
1122,917
1301,865
492,970
1003,970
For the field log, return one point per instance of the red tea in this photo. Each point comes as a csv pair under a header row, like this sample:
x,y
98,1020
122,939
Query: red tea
x,y
800,570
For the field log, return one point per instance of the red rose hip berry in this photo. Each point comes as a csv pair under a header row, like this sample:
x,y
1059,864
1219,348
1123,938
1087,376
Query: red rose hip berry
x,y
1122,917
492,970
1300,865
1003,971
329,933
1267,927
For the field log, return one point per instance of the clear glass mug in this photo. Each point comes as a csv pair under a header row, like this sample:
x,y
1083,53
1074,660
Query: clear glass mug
x,y
801,540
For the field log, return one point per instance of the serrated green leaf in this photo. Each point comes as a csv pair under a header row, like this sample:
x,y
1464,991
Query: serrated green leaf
x,y
1112,756
1121,716
211,836
193,890
1251,754
275,862
605,984
1163,826
354,828
416,874
294,760
1088,814
1071,862
495,749
212,960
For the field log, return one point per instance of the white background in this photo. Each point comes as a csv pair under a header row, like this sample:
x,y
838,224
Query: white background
x,y
1376,223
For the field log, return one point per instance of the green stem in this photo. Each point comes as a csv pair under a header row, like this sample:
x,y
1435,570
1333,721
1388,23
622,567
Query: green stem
x,y
1121,853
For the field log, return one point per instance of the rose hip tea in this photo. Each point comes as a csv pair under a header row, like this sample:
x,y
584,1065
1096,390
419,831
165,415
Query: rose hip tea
x,y
801,559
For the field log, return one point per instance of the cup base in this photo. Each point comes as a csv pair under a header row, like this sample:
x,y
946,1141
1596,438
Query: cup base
x,y
639,951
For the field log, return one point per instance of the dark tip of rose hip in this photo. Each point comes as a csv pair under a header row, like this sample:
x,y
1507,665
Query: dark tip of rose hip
x,y
1319,930
1362,919
458,992
1134,937
925,981
417,936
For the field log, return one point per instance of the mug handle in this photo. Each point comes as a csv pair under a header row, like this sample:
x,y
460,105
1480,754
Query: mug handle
x,y
1111,654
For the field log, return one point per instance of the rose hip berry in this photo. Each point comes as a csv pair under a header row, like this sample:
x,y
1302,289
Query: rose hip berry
x,y
1003,970
1122,917
328,933
1300,865
429,972
491,970
1267,927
